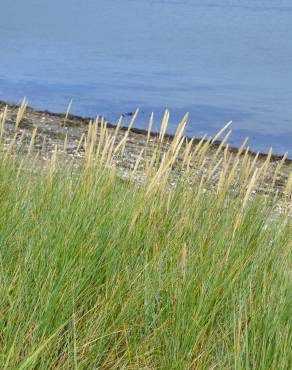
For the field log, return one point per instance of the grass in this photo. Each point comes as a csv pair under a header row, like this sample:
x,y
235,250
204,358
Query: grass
x,y
102,273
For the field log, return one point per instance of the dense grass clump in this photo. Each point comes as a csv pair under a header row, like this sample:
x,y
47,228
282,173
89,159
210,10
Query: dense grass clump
x,y
96,274
102,273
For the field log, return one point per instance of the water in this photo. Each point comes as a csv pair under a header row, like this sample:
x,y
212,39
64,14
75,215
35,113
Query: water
x,y
219,60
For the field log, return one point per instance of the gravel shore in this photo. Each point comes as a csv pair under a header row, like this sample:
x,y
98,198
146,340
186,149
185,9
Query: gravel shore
x,y
52,130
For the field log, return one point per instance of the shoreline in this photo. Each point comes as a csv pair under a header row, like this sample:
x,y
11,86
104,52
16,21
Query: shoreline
x,y
49,135
81,120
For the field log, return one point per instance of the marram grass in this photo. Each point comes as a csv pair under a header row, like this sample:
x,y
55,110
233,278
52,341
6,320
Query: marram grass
x,y
97,272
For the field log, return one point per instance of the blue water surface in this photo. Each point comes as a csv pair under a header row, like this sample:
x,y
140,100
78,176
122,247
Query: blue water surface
x,y
219,60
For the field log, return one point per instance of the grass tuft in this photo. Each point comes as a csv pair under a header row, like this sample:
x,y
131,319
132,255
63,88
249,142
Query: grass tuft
x,y
99,271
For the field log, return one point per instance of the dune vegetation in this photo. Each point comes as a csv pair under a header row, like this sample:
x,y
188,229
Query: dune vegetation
x,y
100,270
